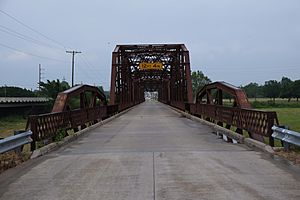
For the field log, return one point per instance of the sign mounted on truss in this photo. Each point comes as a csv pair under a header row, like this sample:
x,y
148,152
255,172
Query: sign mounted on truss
x,y
151,66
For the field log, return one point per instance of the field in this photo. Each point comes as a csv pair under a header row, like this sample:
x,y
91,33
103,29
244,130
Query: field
x,y
288,113
11,123
288,116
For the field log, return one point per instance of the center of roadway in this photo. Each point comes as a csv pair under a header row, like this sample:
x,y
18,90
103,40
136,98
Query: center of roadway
x,y
152,152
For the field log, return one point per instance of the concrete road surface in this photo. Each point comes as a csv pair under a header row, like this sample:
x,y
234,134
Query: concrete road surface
x,y
151,152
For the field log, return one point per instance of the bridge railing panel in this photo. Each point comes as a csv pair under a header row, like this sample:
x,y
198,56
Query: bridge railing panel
x,y
112,109
178,104
45,126
257,123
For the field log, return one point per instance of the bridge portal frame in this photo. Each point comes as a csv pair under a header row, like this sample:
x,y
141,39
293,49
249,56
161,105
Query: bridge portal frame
x,y
173,83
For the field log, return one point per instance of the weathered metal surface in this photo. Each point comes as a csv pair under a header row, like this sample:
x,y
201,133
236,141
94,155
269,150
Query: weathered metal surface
x,y
23,99
129,81
210,106
10,102
63,98
15,141
239,96
257,123
286,136
46,126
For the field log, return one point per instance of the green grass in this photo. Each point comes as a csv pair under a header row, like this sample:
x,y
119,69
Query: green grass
x,y
288,116
288,113
11,123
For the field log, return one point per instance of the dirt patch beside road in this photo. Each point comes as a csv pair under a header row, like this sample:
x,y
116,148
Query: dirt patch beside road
x,y
293,155
11,159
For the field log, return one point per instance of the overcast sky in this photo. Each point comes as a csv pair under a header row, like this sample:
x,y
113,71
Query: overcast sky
x,y
237,41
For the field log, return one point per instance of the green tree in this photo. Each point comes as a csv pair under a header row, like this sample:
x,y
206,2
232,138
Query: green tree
x,y
253,90
10,91
52,88
296,89
271,89
286,88
198,81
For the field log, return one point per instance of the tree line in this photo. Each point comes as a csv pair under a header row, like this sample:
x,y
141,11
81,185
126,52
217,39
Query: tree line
x,y
46,89
11,91
285,89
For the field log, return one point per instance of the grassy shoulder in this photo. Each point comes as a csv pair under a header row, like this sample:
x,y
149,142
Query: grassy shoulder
x,y
11,123
288,116
288,112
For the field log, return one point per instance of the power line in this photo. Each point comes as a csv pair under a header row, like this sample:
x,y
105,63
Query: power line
x,y
31,54
25,37
81,71
85,62
84,58
32,29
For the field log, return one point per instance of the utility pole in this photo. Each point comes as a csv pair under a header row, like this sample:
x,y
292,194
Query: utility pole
x,y
73,58
5,90
40,76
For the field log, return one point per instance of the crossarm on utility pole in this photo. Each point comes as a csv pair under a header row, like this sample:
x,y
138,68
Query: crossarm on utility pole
x,y
73,60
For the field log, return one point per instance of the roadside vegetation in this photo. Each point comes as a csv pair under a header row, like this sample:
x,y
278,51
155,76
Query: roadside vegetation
x,y
10,123
279,96
288,111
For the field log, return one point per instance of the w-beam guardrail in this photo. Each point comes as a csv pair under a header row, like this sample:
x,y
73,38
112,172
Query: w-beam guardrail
x,y
286,136
14,142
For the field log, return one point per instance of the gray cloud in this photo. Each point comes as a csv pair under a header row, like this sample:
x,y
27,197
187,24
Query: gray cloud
x,y
238,41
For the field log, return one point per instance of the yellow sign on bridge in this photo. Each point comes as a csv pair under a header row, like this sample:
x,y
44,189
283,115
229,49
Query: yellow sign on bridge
x,y
151,66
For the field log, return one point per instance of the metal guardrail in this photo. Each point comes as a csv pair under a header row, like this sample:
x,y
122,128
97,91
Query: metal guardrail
x,y
13,142
286,136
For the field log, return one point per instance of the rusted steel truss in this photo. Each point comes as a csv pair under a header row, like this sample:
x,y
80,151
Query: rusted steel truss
x,y
129,82
213,94
91,108
89,97
237,114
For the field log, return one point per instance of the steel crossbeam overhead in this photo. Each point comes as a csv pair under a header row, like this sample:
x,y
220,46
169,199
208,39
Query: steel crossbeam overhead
x,y
164,68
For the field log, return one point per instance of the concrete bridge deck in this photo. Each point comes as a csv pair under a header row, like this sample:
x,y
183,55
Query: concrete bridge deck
x,y
151,152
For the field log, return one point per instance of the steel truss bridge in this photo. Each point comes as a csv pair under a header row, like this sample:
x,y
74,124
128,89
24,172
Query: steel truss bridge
x,y
142,149
164,68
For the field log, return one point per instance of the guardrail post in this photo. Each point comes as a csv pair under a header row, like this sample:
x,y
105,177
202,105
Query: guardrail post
x,y
33,127
20,149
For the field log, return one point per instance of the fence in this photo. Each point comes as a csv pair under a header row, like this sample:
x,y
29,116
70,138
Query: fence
x,y
257,123
45,126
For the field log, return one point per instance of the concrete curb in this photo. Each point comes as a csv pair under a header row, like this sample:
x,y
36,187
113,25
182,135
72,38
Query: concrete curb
x,y
254,144
259,145
55,145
